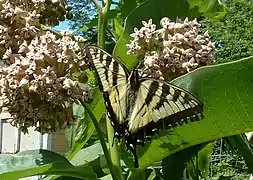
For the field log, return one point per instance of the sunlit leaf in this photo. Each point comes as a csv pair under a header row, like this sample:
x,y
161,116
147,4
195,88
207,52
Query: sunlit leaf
x,y
87,129
87,155
37,162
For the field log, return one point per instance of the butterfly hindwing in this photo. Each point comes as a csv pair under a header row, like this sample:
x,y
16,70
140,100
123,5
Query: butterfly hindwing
x,y
163,104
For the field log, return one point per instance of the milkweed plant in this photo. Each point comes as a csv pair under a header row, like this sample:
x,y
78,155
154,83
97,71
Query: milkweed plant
x,y
38,86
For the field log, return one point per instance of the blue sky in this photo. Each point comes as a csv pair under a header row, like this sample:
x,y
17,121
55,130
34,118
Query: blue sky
x,y
62,26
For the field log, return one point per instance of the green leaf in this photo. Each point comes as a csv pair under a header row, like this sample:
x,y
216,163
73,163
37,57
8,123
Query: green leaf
x,y
226,91
87,155
204,157
118,29
175,164
73,130
127,7
63,178
203,160
107,177
152,175
38,162
98,109
155,10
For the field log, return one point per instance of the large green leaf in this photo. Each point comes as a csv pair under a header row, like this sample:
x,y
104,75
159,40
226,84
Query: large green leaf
x,y
85,133
127,7
107,177
117,28
155,10
226,91
37,162
87,155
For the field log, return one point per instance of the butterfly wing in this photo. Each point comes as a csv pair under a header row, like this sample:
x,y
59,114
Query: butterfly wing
x,y
114,84
160,104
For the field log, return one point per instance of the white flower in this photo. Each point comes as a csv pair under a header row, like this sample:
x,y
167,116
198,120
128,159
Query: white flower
x,y
179,49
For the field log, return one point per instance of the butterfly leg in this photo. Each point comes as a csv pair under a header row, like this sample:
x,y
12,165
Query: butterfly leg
x,y
133,150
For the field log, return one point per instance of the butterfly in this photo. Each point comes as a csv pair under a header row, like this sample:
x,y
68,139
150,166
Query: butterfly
x,y
139,106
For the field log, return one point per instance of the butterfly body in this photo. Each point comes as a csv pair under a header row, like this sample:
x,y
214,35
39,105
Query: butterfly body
x,y
138,107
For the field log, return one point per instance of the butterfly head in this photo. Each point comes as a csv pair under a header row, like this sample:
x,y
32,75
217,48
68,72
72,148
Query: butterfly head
x,y
134,78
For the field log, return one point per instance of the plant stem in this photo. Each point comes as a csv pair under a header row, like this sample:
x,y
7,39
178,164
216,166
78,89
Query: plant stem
x,y
101,30
114,154
102,140
114,150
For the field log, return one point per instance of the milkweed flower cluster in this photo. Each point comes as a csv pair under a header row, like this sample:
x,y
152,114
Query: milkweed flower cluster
x,y
173,50
37,85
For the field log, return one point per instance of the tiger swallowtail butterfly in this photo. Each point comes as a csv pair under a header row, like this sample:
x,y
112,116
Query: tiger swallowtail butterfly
x,y
139,106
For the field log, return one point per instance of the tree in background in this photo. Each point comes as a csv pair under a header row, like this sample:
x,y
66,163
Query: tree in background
x,y
83,11
234,35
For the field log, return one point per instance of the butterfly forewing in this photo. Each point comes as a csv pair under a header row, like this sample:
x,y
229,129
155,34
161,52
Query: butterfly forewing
x,y
160,101
113,80
110,72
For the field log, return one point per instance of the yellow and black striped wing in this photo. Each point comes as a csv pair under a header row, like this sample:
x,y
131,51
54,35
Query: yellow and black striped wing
x,y
113,83
160,104
138,107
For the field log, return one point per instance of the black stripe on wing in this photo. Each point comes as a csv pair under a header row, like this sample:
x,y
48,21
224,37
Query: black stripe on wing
x,y
109,69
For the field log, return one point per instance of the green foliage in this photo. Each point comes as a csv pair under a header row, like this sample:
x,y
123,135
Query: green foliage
x,y
199,165
233,168
220,87
234,34
35,162
242,145
85,127
87,155
233,38
174,165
